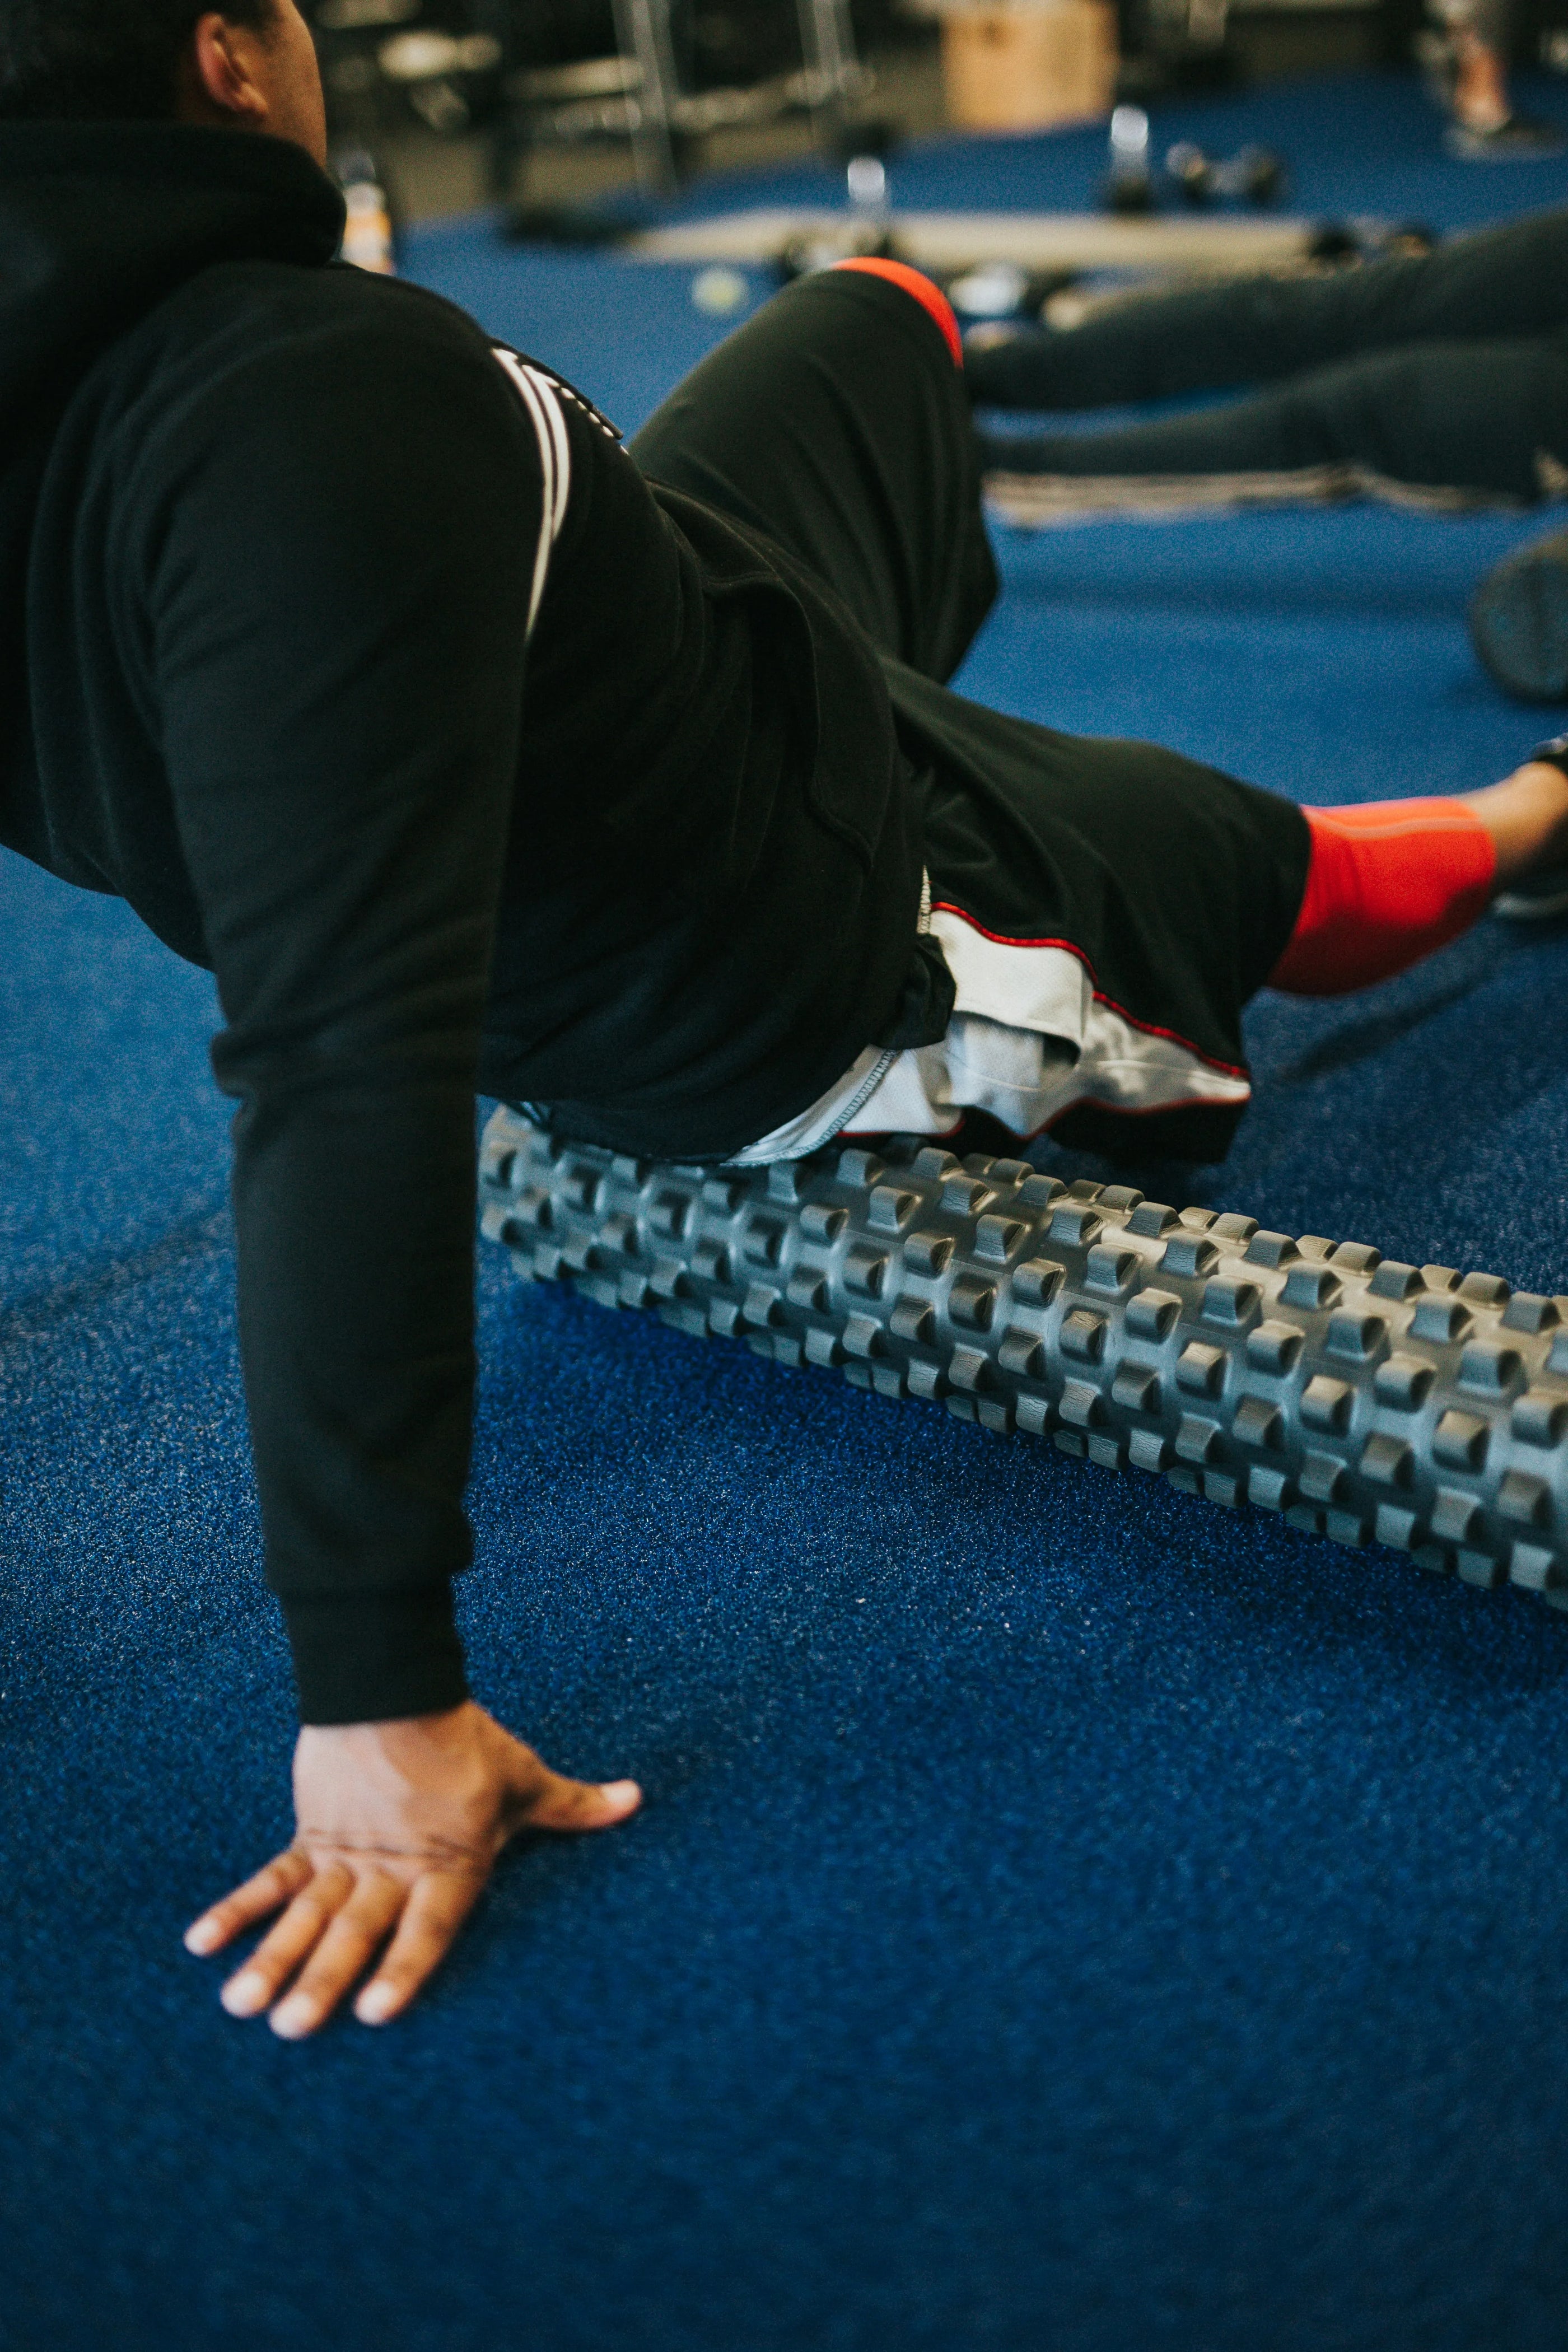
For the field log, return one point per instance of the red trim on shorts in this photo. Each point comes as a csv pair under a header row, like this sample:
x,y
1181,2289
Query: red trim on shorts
x,y
1149,1028
1079,1102
1388,883
1005,939
914,281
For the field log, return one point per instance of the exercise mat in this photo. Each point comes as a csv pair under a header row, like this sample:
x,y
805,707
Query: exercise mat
x,y
1216,248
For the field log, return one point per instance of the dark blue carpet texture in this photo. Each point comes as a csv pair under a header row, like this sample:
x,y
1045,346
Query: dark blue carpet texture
x,y
1067,1917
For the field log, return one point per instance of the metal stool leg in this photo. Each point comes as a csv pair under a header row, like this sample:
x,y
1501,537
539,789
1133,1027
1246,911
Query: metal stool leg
x,y
642,29
827,47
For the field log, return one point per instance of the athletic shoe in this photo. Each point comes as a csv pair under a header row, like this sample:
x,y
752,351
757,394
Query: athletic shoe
x,y
1521,138
1519,621
1535,899
1537,896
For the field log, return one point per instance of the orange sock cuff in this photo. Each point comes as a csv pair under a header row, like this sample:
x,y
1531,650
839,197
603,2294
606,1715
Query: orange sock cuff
x,y
929,298
1388,883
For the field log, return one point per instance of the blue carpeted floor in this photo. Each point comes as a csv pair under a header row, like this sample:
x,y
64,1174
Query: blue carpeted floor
x,y
1067,1917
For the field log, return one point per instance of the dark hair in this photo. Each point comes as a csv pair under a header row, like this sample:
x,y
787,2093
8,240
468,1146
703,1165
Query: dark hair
x,y
102,60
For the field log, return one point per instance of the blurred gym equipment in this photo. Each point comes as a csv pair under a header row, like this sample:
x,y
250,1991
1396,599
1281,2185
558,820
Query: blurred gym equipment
x,y
1130,185
1254,174
1177,244
534,73
646,89
372,231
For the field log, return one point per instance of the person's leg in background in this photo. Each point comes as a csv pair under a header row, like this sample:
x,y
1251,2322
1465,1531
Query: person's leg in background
x,y
1519,615
1452,379
1496,286
1467,57
1444,372
1457,423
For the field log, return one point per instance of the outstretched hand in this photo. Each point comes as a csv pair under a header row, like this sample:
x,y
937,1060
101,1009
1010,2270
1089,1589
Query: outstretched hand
x,y
399,1824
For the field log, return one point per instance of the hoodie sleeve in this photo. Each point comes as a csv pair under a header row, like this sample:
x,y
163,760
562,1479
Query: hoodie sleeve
x,y
352,534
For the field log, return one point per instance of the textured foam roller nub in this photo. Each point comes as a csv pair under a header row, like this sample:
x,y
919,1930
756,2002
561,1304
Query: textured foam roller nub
x,y
1365,1399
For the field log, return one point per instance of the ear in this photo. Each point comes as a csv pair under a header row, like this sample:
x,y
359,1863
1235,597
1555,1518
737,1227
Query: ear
x,y
220,54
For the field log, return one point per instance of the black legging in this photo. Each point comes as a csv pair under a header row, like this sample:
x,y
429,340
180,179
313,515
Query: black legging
x,y
1447,370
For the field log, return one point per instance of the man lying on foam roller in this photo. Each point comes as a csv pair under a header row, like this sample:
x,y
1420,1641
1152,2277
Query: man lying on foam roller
x,y
1437,379
472,753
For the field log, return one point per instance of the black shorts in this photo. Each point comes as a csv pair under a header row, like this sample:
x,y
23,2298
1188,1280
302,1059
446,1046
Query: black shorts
x,y
835,421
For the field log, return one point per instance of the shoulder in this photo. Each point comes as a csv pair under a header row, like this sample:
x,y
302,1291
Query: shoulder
x,y
309,382
276,295
259,320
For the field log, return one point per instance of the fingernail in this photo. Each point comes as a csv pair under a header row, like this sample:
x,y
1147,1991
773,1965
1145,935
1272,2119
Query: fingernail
x,y
293,2017
375,2004
203,1936
245,1993
619,1793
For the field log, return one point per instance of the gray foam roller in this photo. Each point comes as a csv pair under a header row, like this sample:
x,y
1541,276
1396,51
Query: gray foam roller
x,y
1365,1399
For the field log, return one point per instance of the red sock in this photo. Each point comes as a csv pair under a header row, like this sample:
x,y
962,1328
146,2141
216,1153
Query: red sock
x,y
930,298
1388,883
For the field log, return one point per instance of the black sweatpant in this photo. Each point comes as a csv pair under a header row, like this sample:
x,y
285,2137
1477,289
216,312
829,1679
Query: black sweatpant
x,y
1447,373
835,422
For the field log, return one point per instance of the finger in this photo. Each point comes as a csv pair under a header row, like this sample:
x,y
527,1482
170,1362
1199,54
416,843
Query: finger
x,y
549,1802
298,1932
266,1892
436,1908
343,1954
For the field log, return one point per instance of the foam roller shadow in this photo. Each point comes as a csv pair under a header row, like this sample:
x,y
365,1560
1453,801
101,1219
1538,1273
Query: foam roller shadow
x,y
1365,1399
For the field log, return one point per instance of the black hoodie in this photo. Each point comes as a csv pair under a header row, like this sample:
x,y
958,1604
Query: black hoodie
x,y
270,533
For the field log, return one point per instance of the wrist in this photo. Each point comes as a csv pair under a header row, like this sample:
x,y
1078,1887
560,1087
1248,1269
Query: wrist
x,y
375,1657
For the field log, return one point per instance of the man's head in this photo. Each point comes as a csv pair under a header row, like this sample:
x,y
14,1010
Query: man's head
x,y
249,66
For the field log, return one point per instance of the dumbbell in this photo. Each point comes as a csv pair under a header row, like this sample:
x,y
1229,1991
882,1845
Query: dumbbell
x,y
1130,186
1002,289
1345,245
1254,174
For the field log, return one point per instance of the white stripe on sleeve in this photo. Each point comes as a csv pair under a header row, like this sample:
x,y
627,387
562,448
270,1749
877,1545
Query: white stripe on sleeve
x,y
538,395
